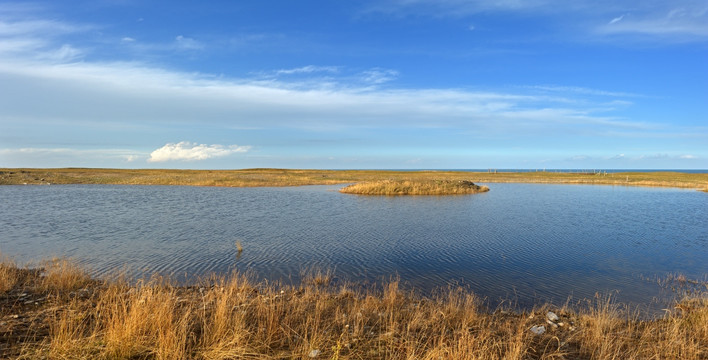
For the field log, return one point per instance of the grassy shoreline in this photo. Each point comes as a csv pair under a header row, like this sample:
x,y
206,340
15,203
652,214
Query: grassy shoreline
x,y
286,177
60,312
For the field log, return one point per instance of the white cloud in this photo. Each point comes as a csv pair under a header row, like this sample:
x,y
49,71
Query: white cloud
x,y
186,151
688,157
127,39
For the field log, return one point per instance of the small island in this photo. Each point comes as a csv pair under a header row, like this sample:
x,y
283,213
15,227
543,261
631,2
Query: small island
x,y
419,187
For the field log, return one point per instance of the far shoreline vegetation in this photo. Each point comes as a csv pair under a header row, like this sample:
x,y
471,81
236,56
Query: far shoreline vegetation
x,y
296,177
58,311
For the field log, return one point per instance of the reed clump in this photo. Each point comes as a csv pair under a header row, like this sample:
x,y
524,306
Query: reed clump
x,y
415,187
234,317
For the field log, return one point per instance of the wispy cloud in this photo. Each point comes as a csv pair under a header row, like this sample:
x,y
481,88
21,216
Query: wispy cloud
x,y
156,95
379,76
686,30
679,20
635,158
615,20
42,28
187,43
309,69
455,8
688,157
186,151
586,91
63,155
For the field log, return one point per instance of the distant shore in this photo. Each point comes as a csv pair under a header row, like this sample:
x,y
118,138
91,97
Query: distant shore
x,y
291,177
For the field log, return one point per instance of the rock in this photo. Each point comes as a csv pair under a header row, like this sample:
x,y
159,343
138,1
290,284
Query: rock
x,y
551,316
314,353
538,329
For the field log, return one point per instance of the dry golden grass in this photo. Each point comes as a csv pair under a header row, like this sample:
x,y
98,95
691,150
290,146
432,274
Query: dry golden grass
x,y
8,278
61,276
283,177
233,317
408,187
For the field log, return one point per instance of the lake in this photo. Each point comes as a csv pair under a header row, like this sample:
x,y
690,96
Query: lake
x,y
525,243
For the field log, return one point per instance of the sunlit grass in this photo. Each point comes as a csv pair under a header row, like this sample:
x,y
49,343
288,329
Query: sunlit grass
x,y
62,276
233,317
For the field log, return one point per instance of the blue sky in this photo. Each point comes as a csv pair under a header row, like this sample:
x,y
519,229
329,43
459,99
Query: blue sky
x,y
354,84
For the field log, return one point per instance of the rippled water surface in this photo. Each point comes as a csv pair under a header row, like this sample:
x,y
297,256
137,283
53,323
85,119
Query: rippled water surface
x,y
523,242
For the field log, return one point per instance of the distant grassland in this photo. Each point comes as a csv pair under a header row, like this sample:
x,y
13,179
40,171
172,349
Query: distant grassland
x,y
285,177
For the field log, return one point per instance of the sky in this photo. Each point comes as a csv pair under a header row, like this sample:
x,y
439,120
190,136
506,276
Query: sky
x,y
387,84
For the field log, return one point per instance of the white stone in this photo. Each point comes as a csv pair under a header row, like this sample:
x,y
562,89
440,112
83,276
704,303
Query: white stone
x,y
538,329
552,316
314,353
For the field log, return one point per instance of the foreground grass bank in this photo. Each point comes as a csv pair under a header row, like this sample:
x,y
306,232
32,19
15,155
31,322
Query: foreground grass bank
x,y
407,187
283,177
61,313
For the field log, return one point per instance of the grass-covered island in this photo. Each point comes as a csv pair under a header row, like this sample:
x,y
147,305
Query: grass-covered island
x,y
59,312
407,187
